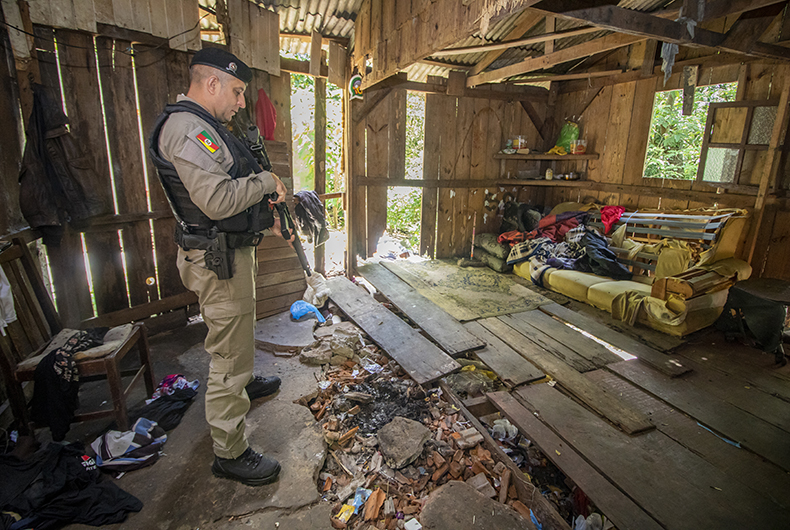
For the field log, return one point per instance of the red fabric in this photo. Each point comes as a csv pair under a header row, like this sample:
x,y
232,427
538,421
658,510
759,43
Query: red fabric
x,y
610,215
265,115
552,226
556,232
511,238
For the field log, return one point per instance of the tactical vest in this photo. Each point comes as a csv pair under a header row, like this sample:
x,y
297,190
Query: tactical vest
x,y
243,226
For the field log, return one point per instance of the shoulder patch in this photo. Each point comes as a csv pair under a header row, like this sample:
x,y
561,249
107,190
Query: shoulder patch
x,y
205,139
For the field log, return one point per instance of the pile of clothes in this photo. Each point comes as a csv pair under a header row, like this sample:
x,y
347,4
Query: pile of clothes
x,y
565,241
56,486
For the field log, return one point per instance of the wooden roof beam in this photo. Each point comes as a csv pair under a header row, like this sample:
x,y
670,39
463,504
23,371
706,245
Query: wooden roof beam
x,y
526,21
610,42
501,46
632,22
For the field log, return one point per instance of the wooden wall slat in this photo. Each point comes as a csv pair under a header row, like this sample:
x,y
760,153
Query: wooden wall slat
x,y
432,143
449,133
11,219
83,105
378,128
115,68
468,109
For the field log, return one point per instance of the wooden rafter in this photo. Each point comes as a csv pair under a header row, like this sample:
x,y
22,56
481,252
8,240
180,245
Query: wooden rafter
x,y
610,42
633,22
748,29
525,22
546,37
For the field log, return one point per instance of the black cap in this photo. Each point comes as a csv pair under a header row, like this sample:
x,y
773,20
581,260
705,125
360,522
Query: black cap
x,y
225,61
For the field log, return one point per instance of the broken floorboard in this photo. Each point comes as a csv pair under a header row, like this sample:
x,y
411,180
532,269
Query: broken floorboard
x,y
674,485
508,364
597,398
422,360
528,493
440,326
671,366
740,465
586,347
621,510
757,435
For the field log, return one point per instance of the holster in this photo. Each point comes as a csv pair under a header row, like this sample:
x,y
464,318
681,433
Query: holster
x,y
219,255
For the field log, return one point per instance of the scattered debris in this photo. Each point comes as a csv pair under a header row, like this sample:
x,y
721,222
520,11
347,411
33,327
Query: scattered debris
x,y
392,443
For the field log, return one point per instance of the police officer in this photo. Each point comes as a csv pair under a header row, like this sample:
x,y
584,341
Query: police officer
x,y
220,198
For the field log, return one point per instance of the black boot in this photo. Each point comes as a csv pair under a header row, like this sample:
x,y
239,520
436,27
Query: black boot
x,y
251,468
262,386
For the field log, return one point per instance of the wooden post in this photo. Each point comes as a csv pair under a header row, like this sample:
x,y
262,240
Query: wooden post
x,y
771,166
26,61
320,157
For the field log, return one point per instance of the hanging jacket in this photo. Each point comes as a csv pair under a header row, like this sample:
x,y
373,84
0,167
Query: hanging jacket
x,y
57,181
311,216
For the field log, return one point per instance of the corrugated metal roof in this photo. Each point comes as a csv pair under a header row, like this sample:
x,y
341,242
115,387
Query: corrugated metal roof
x,y
335,18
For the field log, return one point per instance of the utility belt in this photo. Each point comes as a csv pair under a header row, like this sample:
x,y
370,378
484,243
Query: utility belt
x,y
218,245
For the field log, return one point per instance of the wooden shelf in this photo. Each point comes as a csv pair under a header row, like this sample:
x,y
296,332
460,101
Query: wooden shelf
x,y
544,182
587,156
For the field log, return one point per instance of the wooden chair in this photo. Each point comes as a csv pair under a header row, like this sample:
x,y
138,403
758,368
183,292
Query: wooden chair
x,y
37,323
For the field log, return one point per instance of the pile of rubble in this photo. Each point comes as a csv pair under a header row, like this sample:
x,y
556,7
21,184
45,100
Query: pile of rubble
x,y
392,443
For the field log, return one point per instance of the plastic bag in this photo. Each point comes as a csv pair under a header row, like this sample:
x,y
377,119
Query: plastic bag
x,y
568,133
300,308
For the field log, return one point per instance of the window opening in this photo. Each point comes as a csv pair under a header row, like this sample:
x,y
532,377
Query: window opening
x,y
675,141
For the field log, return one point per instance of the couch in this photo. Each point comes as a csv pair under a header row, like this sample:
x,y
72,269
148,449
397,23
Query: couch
x,y
695,296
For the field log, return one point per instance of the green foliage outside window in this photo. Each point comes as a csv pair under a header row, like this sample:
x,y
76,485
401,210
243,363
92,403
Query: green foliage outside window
x,y
673,148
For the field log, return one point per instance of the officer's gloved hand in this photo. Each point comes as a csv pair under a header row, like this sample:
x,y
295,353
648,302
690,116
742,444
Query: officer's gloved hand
x,y
280,189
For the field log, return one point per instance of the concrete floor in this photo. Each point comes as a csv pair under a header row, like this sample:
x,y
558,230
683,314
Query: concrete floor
x,y
179,491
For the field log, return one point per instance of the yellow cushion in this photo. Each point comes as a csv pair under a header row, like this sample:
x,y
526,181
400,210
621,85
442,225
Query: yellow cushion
x,y
574,283
601,295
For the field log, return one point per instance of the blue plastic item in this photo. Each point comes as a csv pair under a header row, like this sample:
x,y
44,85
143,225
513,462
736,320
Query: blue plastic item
x,y
300,308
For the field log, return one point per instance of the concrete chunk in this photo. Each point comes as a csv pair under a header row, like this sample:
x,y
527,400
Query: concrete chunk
x,y
401,441
458,505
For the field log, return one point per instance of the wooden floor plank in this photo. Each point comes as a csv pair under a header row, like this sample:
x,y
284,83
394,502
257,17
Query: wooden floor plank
x,y
597,398
744,466
751,364
421,359
441,327
737,391
616,505
669,365
511,367
554,347
675,486
766,440
584,346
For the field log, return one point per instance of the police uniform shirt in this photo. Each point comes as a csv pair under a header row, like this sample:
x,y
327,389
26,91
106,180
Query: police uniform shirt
x,y
202,161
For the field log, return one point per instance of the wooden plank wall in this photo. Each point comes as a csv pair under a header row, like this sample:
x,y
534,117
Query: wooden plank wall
x,y
461,137
379,152
99,96
161,18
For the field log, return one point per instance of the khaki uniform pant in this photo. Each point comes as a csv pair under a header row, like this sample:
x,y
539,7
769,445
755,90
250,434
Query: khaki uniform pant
x,y
228,309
